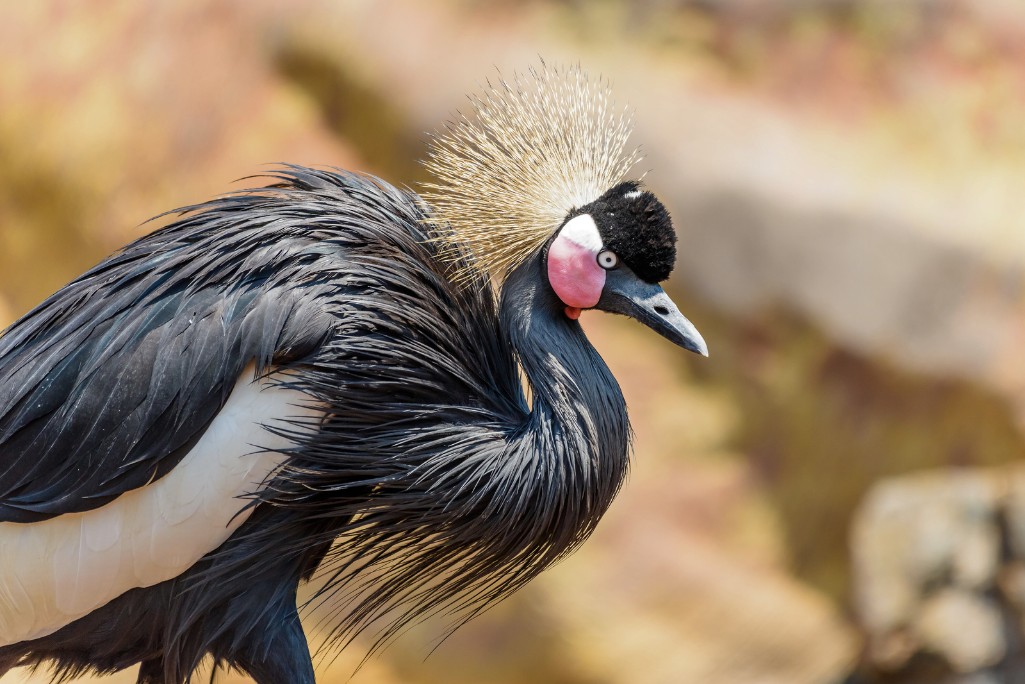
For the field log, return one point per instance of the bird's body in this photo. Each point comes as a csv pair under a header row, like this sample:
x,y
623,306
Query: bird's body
x,y
311,376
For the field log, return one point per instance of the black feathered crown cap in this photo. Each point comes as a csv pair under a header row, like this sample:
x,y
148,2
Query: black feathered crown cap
x,y
635,225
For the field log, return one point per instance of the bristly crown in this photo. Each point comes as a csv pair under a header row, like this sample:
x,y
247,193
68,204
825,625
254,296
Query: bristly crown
x,y
535,149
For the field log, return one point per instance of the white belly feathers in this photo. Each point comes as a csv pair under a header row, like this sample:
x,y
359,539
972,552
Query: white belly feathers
x,y
58,570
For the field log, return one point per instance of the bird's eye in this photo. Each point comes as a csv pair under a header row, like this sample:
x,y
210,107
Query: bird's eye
x,y
607,260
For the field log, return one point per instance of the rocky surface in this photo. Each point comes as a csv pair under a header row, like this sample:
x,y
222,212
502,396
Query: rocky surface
x,y
938,567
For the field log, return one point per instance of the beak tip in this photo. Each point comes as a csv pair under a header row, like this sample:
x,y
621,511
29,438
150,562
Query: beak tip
x,y
698,346
692,340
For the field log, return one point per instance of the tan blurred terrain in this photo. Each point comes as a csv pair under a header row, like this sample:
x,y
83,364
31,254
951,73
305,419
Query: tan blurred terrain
x,y
845,178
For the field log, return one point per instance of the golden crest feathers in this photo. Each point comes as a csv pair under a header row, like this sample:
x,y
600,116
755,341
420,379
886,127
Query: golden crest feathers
x,y
535,148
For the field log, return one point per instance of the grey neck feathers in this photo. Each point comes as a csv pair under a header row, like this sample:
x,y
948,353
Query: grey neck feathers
x,y
578,425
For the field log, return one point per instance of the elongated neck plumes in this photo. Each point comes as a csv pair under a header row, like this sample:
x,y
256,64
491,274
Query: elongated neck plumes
x,y
472,511
578,432
448,502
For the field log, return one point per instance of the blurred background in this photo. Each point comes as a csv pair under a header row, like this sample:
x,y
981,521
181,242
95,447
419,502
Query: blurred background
x,y
836,495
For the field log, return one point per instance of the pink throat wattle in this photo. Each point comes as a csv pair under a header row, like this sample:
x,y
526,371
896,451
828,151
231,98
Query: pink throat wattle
x,y
575,275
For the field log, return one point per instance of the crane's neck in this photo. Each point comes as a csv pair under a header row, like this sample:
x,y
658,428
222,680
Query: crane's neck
x,y
578,431
458,511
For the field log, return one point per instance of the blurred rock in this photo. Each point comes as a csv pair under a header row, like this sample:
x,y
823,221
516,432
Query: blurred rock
x,y
915,532
963,627
938,568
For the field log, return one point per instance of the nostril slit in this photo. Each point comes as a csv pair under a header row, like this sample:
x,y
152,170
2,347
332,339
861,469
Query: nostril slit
x,y
661,310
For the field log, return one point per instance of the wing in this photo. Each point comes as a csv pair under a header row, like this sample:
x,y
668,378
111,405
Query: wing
x,y
107,385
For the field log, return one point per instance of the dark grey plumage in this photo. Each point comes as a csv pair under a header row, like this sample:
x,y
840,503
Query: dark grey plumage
x,y
443,488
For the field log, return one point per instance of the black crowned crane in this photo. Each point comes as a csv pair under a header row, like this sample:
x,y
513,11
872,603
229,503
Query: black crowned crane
x,y
320,377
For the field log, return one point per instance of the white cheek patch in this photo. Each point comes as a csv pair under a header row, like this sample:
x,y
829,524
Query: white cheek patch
x,y
573,270
633,194
583,231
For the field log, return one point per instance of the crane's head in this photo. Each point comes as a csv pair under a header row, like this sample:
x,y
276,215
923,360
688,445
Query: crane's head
x,y
611,254
537,172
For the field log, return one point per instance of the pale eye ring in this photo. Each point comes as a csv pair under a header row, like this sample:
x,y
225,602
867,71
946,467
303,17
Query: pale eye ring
x,y
607,259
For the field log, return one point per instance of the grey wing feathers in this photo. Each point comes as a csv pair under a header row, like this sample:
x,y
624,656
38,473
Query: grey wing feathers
x,y
107,384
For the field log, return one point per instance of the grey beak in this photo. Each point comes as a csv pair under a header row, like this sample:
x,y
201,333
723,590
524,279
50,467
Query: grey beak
x,y
626,294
